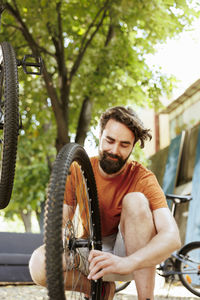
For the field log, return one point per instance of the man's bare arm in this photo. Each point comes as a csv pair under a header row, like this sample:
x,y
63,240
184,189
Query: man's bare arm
x,y
159,248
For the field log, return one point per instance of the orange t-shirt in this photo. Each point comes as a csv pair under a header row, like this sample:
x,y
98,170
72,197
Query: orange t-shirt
x,y
111,191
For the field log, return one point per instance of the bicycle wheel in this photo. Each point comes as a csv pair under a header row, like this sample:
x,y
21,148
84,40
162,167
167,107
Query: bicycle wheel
x,y
189,267
9,121
120,286
72,178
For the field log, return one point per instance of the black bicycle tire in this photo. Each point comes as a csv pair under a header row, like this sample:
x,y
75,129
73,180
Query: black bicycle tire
x,y
183,251
122,287
53,218
11,123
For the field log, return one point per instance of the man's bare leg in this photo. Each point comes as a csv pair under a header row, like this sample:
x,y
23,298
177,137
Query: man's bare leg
x,y
138,228
74,280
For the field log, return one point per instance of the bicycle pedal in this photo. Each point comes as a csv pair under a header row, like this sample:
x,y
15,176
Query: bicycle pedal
x,y
28,64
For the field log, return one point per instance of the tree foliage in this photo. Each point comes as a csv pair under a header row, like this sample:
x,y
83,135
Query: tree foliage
x,y
93,55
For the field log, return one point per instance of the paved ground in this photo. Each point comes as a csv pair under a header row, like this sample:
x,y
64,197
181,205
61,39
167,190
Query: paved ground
x,y
162,291
32,292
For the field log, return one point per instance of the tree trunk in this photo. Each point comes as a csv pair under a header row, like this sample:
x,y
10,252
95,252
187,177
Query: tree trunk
x,y
40,216
26,218
84,121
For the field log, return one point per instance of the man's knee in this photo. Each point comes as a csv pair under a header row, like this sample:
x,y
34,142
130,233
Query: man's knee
x,y
37,266
136,204
136,220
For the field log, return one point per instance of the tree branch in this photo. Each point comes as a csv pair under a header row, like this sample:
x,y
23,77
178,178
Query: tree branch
x,y
85,45
57,39
86,109
90,27
61,120
84,121
22,26
59,44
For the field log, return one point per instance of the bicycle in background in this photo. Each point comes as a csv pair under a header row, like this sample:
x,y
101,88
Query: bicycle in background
x,y
184,264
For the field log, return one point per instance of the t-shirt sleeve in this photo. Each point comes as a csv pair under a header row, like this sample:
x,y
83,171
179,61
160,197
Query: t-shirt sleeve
x,y
149,186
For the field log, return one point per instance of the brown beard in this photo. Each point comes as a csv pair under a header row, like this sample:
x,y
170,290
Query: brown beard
x,y
108,165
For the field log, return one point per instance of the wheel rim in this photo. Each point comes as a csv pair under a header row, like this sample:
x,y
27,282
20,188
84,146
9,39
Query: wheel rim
x,y
190,267
78,235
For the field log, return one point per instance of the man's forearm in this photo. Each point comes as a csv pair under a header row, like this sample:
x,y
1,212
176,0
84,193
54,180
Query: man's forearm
x,y
158,249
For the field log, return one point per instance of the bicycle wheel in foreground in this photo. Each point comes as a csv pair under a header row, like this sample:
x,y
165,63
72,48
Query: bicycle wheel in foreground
x,y
72,179
9,121
189,267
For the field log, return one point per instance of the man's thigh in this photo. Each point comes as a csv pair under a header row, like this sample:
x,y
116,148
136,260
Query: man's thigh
x,y
119,250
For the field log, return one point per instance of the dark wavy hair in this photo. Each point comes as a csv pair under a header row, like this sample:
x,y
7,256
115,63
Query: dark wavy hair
x,y
129,118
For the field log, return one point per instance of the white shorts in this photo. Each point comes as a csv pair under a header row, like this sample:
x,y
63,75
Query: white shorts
x,y
113,244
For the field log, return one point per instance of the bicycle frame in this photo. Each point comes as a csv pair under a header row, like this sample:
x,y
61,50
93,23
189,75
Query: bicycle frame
x,y
175,255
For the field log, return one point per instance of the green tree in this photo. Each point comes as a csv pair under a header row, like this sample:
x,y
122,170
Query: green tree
x,y
93,55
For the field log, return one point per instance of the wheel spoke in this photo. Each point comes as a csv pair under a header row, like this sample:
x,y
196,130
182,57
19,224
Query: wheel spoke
x,y
190,267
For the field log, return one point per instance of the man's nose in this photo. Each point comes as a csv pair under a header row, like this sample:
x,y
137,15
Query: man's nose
x,y
115,149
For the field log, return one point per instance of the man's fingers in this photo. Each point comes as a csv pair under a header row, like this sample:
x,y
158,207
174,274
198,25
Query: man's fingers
x,y
102,263
99,264
96,260
97,273
93,253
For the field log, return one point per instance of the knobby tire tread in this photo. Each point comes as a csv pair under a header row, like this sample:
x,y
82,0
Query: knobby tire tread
x,y
11,123
53,216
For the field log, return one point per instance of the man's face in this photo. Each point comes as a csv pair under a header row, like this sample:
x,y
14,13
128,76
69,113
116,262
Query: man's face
x,y
115,147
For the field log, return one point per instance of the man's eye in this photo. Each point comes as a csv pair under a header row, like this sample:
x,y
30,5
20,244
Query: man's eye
x,y
124,145
109,141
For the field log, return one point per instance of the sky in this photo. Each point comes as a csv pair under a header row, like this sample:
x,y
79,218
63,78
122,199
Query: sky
x,y
181,58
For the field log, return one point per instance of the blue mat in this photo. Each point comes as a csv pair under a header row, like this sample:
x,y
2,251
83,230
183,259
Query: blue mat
x,y
173,164
193,223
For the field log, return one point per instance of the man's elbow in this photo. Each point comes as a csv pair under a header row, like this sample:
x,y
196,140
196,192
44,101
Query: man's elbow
x,y
176,241
178,244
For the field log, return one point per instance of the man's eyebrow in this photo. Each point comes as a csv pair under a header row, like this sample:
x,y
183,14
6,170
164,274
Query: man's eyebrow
x,y
110,138
125,142
122,142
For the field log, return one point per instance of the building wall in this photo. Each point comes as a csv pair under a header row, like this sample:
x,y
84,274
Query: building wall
x,y
148,118
184,112
164,135
186,116
157,165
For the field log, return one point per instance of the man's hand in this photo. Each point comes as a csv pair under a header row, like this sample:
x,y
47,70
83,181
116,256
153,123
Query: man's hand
x,y
102,263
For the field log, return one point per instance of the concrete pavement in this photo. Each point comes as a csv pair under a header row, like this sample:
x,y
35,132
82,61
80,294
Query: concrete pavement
x,y
162,291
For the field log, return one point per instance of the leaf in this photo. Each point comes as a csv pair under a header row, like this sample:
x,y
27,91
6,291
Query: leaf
x,y
90,50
